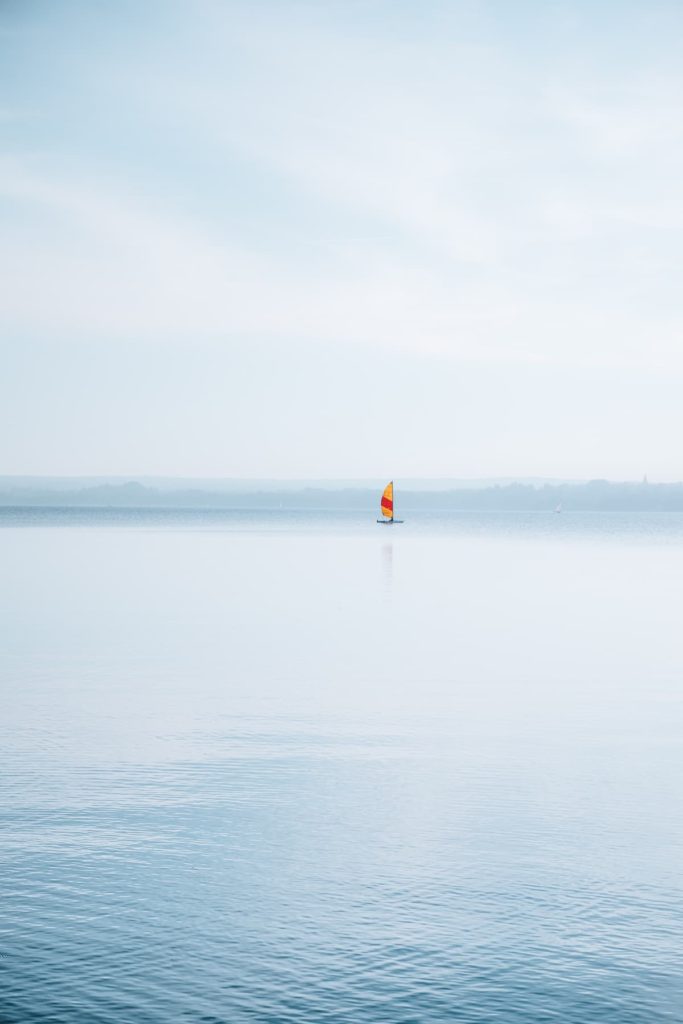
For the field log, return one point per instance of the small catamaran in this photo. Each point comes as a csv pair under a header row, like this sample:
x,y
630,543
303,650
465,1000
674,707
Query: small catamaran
x,y
387,505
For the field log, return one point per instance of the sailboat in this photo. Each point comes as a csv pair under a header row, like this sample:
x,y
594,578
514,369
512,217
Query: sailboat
x,y
559,508
386,505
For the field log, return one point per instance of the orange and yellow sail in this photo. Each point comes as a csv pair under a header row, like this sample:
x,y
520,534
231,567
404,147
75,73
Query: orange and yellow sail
x,y
387,502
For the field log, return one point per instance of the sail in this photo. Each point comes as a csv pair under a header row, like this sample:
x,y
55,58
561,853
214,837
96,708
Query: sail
x,y
387,502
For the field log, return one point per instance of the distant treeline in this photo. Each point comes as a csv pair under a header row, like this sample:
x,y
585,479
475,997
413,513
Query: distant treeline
x,y
597,495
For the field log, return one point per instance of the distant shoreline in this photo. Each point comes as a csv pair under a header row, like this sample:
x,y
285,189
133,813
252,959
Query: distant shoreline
x,y
594,496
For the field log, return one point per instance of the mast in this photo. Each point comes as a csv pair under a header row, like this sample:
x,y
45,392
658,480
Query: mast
x,y
393,500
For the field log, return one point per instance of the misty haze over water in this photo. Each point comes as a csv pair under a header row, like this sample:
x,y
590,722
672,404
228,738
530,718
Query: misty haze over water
x,y
594,495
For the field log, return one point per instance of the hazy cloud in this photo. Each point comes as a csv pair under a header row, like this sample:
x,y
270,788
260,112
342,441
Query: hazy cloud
x,y
460,181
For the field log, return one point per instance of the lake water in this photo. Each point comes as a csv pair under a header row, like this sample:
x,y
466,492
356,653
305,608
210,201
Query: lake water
x,y
276,768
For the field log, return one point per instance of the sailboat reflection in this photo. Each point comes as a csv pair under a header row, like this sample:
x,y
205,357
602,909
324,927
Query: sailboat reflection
x,y
388,567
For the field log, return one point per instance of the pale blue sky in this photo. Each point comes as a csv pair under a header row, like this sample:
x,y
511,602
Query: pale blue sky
x,y
341,239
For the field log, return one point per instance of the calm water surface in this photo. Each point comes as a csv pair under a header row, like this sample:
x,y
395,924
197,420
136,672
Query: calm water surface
x,y
279,767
